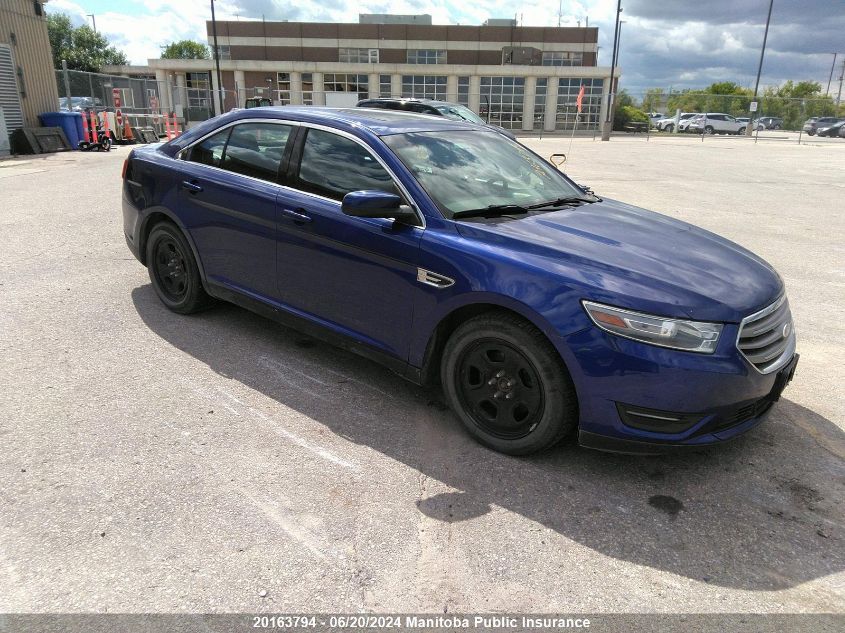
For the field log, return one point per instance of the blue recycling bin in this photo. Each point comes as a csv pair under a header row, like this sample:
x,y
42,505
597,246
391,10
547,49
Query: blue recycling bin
x,y
70,122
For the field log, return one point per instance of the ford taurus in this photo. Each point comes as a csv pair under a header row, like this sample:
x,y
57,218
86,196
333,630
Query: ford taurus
x,y
451,253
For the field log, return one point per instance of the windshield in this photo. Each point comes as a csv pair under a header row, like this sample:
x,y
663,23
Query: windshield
x,y
476,169
460,113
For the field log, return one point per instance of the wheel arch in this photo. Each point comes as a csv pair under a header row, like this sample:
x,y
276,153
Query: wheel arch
x,y
162,214
457,314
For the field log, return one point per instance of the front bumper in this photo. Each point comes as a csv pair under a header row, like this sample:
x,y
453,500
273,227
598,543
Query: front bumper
x,y
638,398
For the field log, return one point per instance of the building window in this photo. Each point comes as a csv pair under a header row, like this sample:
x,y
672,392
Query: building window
x,y
307,89
385,87
463,91
540,102
562,58
567,96
225,52
198,89
424,86
501,100
283,95
426,56
358,55
341,82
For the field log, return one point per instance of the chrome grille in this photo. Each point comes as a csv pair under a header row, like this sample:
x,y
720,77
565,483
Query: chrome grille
x,y
767,338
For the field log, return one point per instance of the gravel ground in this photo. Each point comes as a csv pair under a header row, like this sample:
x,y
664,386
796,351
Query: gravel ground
x,y
219,462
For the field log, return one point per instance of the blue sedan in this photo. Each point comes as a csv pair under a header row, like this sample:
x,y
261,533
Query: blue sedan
x,y
453,254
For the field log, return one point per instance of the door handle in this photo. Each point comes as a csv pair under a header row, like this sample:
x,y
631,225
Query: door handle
x,y
191,186
296,216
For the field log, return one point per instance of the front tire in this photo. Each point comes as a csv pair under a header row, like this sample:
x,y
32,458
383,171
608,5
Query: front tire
x,y
173,270
507,384
709,130
669,128
741,131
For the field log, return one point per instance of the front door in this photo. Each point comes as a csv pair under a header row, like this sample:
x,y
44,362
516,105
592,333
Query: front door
x,y
356,275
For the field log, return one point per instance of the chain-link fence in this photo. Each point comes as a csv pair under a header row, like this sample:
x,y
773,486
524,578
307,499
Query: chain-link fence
x,y
772,112
143,101
502,101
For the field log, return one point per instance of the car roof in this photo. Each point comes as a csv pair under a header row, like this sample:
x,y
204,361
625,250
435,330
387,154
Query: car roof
x,y
431,102
353,120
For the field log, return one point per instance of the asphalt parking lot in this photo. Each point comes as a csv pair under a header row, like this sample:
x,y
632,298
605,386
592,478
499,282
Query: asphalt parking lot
x,y
219,462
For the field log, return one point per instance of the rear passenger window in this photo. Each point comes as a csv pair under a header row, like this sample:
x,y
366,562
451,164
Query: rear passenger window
x,y
210,151
332,166
256,149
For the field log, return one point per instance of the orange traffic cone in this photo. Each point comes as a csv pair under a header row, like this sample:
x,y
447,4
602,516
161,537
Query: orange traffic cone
x,y
127,130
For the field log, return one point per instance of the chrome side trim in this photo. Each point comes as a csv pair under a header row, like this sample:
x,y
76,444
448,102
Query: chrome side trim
x,y
434,279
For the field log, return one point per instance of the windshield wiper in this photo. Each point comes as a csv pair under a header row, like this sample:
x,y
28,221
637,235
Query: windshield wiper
x,y
492,211
560,201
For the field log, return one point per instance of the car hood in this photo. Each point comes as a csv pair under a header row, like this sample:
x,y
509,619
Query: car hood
x,y
634,258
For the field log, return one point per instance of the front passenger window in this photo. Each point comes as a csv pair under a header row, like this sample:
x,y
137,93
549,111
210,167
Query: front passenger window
x,y
332,166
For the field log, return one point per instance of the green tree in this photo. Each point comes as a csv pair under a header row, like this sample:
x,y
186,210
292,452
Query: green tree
x,y
185,49
654,100
81,47
723,96
796,102
626,114
623,99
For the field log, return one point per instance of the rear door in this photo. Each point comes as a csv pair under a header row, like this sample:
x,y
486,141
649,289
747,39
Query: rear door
x,y
227,198
356,275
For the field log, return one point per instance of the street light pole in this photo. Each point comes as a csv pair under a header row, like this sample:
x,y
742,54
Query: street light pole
x,y
829,79
760,68
608,122
217,57
93,20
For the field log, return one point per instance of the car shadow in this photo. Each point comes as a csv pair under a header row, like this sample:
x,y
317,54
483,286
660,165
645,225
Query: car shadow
x,y
761,513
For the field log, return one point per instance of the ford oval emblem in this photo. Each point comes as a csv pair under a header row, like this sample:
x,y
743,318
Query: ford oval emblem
x,y
786,329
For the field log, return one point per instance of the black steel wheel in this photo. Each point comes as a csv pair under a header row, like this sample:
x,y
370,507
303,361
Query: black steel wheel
x,y
500,389
173,270
507,384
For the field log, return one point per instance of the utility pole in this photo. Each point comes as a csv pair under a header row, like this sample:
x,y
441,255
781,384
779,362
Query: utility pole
x,y
217,57
841,77
608,122
832,68
760,68
93,20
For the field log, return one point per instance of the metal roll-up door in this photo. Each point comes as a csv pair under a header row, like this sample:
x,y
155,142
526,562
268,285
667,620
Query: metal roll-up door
x,y
10,96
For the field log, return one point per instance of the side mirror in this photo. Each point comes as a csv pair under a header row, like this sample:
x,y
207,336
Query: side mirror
x,y
376,204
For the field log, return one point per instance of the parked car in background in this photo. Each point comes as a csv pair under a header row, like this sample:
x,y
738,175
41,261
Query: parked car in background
x,y
716,123
812,124
667,124
78,104
771,122
454,111
842,132
452,254
831,130
654,117
757,124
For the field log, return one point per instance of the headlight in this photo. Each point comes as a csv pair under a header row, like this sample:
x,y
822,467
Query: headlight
x,y
691,336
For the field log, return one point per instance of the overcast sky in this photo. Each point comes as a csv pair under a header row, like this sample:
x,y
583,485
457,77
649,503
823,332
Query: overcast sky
x,y
677,43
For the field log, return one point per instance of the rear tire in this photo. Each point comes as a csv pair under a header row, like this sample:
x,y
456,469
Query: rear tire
x,y
709,129
508,385
173,270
